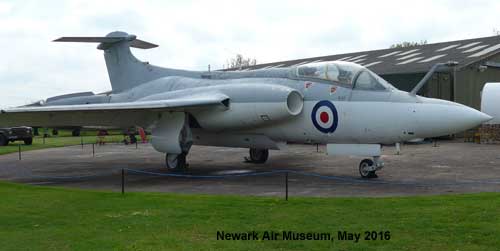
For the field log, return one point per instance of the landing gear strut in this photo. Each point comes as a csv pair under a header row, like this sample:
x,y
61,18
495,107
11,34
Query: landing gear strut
x,y
368,167
258,156
176,162
172,135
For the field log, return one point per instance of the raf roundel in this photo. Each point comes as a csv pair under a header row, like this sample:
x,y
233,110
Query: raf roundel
x,y
325,117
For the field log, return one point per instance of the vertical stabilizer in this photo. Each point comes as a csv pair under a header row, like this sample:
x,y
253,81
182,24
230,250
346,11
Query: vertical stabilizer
x,y
125,71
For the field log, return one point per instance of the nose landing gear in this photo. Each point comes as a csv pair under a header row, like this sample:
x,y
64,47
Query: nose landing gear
x,y
368,167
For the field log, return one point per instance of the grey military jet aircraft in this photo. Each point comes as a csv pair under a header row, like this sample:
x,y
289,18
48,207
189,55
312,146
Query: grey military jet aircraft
x,y
341,104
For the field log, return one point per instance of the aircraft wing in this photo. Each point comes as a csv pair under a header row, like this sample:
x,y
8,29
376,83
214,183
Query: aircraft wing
x,y
108,114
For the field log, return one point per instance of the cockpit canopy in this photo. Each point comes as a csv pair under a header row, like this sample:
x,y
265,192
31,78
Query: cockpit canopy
x,y
344,73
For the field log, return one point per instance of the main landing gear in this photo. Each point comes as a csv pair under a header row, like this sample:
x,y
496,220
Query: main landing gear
x,y
172,135
368,167
176,162
257,156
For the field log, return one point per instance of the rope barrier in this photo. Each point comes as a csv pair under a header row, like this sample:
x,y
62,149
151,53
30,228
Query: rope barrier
x,y
65,177
348,180
204,176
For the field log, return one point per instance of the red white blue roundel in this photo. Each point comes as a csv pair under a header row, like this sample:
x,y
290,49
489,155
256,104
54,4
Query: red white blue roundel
x,y
324,116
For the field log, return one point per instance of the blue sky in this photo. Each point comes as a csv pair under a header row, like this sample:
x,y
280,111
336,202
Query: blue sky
x,y
193,34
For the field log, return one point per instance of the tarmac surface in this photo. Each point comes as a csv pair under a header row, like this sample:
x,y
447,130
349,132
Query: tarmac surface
x,y
451,167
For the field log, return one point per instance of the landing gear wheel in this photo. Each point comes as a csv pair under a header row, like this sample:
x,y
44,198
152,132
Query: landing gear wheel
x,y
75,132
176,162
365,171
3,140
28,141
258,156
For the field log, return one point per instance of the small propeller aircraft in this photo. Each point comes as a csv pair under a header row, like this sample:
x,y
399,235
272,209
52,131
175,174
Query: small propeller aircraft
x,y
341,104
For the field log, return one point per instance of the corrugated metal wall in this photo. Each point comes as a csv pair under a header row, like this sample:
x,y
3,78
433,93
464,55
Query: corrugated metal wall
x,y
466,89
470,82
404,82
439,86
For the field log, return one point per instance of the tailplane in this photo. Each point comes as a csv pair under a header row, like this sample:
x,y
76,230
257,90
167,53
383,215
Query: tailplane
x,y
125,71
110,39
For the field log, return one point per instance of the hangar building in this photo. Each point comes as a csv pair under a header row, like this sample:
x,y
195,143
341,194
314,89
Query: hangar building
x,y
478,62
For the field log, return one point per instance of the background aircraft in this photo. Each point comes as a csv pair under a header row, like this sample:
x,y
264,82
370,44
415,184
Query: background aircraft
x,y
341,104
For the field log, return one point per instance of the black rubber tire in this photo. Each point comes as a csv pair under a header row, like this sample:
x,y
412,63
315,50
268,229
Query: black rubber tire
x,y
179,165
366,174
28,142
3,140
75,132
259,156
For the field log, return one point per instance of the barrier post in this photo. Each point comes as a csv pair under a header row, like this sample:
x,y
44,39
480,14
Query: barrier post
x,y
93,150
19,145
45,134
286,186
81,140
317,148
123,181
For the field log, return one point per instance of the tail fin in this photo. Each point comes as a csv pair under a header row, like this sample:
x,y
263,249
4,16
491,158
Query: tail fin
x,y
125,71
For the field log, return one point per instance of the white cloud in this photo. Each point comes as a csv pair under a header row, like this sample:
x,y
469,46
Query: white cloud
x,y
193,34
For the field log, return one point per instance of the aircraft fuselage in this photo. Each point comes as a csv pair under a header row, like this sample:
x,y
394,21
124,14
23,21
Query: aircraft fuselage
x,y
330,113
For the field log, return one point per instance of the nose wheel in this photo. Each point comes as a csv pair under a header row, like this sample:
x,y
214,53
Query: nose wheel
x,y
368,167
176,162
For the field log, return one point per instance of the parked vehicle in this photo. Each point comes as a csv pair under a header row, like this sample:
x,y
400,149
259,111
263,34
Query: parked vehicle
x,y
12,134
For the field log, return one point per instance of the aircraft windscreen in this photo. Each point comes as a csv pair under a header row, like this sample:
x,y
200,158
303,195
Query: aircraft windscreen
x,y
381,81
340,72
344,73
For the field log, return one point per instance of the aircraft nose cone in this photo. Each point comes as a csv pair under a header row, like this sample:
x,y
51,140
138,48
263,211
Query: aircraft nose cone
x,y
469,117
465,117
482,117
444,118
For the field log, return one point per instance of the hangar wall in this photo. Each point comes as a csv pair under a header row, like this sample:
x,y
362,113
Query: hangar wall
x,y
404,82
439,86
470,82
465,90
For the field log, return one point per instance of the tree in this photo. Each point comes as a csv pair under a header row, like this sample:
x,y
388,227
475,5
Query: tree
x,y
496,32
239,61
407,44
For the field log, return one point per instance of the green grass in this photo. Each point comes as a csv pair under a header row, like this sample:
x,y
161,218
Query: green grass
x,y
64,138
54,141
43,218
